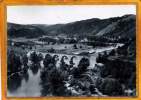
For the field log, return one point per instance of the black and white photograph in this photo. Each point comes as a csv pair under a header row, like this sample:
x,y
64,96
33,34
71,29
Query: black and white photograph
x,y
71,51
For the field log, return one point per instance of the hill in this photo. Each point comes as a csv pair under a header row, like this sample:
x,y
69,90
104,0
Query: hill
x,y
124,26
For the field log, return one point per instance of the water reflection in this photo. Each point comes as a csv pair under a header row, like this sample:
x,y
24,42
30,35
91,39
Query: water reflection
x,y
14,82
43,82
26,76
24,85
35,68
53,84
33,82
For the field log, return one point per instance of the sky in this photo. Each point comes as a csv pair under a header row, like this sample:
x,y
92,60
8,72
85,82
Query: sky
x,y
59,14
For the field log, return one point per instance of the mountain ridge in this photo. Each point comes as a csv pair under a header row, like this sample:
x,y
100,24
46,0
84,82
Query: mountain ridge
x,y
114,26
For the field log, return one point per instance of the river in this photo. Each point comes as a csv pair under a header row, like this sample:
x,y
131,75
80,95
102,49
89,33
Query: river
x,y
29,84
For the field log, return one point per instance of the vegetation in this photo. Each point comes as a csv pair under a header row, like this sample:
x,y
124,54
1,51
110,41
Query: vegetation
x,y
113,74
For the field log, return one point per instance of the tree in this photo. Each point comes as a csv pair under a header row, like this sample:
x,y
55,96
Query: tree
x,y
72,62
24,60
55,84
83,63
47,60
55,58
111,87
112,53
82,67
63,65
40,56
14,62
34,58
75,46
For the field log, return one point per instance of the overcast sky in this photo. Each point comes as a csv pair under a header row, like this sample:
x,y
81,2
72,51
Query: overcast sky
x,y
54,14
